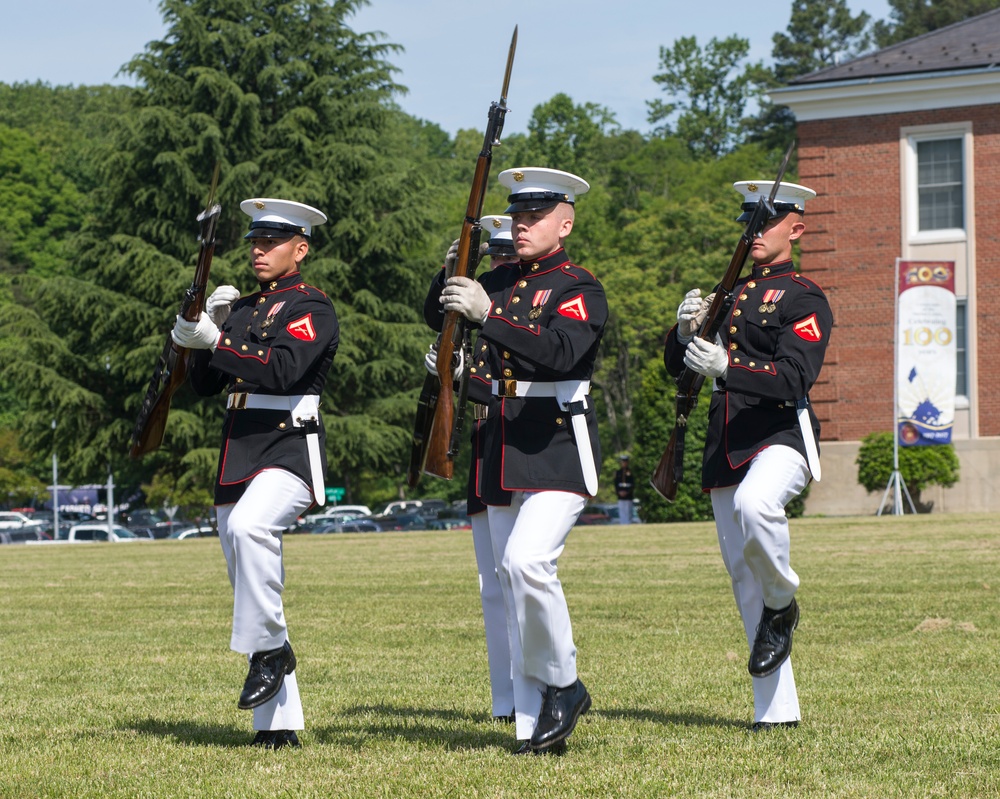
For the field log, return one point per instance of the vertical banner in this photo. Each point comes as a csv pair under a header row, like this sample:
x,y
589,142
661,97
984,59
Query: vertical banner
x,y
926,366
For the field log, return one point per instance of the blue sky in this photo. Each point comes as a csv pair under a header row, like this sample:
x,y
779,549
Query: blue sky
x,y
592,50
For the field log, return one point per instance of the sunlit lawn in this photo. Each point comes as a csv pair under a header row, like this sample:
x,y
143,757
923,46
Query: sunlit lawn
x,y
116,678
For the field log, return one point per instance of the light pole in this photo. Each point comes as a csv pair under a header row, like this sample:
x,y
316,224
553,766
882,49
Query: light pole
x,y
55,486
111,479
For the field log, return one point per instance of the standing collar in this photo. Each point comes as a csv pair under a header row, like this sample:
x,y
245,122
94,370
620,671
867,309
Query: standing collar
x,y
286,282
553,260
772,270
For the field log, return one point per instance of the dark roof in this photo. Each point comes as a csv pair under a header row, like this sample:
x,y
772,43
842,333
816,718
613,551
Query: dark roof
x,y
973,43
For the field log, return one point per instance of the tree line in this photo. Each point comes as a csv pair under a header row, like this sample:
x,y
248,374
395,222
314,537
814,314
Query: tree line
x,y
101,186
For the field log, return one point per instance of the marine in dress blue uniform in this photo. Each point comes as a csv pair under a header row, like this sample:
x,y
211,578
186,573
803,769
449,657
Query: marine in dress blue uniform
x,y
760,450
541,318
271,353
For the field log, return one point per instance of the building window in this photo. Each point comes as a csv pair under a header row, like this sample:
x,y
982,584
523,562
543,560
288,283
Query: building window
x,y
939,185
961,349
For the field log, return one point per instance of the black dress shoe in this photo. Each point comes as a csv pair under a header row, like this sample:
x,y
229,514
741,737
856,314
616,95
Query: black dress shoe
x,y
525,749
773,643
266,676
764,726
561,708
276,739
508,719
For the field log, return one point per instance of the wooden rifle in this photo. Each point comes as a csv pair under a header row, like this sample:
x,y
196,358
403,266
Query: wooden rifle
x,y
670,469
437,428
172,367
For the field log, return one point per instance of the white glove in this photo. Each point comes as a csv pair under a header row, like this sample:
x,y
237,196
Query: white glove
x,y
450,258
200,335
220,303
706,358
467,297
691,314
431,361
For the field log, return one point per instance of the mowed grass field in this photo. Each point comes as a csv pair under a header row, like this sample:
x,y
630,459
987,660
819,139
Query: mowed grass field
x,y
116,679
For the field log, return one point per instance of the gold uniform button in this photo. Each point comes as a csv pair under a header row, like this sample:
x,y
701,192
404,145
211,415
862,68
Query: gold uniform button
x,y
559,420
767,271
567,266
752,364
261,301
239,379
752,284
473,369
260,353
743,296
263,335
506,354
737,312
507,373
229,341
531,327
535,267
733,346
498,311
273,285
489,376
732,329
244,348
255,313
514,318
763,322
522,284
282,426
483,348
481,363
767,367
736,360
516,300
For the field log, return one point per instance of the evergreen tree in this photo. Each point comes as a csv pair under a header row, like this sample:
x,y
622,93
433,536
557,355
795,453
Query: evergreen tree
x,y
291,103
910,18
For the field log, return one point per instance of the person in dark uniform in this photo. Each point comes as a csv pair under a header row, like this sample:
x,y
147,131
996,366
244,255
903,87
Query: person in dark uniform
x,y
760,450
625,489
271,352
500,249
541,318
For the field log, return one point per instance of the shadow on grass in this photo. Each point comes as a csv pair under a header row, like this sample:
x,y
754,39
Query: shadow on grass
x,y
354,727
193,733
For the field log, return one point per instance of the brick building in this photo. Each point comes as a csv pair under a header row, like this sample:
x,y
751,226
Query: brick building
x,y
903,148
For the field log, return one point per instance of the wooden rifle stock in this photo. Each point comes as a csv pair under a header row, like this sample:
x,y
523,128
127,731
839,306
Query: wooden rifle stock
x,y
441,440
172,366
670,468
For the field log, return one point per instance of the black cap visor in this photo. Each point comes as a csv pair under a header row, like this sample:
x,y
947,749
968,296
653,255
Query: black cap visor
x,y
534,201
274,230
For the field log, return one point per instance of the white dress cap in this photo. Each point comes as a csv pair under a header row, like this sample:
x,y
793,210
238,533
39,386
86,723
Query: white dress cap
x,y
271,218
789,197
534,188
497,227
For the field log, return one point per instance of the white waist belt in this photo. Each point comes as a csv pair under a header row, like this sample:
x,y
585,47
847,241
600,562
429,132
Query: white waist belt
x,y
300,406
525,388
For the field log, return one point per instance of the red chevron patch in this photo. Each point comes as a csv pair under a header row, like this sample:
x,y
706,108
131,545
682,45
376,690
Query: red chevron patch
x,y
303,328
575,308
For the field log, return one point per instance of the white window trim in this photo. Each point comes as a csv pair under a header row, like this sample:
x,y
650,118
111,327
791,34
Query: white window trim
x,y
910,136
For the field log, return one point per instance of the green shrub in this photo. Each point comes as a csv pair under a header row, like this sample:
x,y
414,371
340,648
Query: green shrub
x,y
918,466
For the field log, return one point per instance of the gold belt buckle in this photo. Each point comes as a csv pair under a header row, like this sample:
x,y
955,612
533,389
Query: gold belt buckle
x,y
238,401
507,388
480,411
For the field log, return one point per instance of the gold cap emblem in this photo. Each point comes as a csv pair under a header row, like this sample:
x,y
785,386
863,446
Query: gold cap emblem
x,y
497,223
752,187
518,176
259,205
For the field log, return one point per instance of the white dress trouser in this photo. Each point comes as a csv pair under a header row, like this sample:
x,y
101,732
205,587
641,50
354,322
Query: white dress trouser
x,y
755,543
494,618
528,537
250,532
625,511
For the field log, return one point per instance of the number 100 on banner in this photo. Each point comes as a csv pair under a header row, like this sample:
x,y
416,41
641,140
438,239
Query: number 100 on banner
x,y
926,366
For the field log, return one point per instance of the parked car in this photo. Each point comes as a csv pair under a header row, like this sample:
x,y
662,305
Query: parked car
x,y
594,514
24,535
347,526
98,531
334,515
611,508
427,508
15,520
153,523
198,531
401,521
